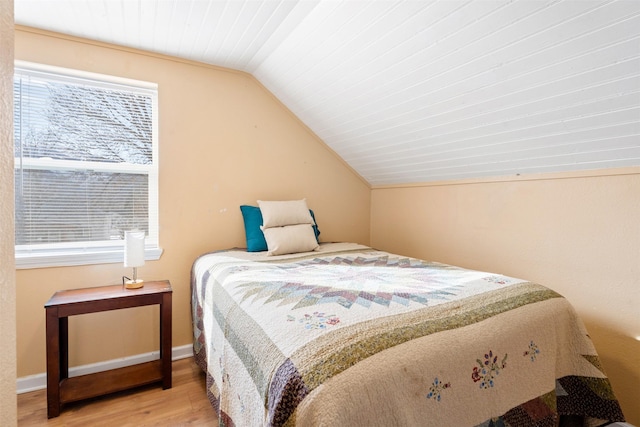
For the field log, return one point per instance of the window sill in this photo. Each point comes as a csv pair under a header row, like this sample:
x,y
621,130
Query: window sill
x,y
67,258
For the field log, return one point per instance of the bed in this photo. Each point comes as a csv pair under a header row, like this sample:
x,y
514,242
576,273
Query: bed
x,y
347,335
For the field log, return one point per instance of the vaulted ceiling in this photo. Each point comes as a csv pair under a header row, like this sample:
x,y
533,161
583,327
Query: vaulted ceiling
x,y
411,91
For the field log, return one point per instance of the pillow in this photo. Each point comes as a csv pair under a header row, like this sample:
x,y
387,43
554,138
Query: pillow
x,y
290,239
316,230
255,237
252,222
279,214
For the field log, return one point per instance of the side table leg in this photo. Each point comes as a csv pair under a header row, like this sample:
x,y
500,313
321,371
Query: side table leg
x,y
53,362
64,347
165,339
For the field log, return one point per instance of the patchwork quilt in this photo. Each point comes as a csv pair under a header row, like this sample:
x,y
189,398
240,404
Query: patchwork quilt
x,y
352,336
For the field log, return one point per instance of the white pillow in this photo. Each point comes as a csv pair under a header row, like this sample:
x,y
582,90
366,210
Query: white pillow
x,y
290,239
279,214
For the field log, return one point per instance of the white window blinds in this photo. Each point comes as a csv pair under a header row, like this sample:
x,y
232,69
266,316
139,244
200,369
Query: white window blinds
x,y
85,163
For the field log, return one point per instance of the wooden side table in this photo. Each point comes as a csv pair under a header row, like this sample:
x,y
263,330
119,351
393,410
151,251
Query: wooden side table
x,y
60,388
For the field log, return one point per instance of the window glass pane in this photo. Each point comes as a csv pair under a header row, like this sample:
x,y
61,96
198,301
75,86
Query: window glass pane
x,y
79,122
79,206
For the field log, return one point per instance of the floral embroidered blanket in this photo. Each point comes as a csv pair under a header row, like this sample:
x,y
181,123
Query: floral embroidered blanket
x,y
352,336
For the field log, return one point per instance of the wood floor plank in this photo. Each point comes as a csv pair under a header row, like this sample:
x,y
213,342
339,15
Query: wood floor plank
x,y
185,404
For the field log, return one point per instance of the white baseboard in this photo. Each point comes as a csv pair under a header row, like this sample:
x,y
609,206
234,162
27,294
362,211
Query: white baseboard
x,y
39,381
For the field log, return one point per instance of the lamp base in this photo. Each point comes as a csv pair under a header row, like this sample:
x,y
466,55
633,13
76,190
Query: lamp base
x,y
134,284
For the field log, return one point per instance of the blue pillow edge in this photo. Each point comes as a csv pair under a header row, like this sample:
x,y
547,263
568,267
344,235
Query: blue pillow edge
x,y
252,218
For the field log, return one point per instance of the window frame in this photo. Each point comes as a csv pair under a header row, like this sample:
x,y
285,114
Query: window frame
x,y
93,252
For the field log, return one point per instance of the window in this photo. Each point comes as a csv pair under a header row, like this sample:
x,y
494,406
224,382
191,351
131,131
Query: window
x,y
85,166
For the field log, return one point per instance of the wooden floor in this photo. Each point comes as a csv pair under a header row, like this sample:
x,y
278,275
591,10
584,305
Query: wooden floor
x,y
185,404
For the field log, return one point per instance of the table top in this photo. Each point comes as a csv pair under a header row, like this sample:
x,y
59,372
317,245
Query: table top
x,y
99,293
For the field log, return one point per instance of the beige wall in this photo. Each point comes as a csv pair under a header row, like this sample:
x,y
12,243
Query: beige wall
x,y
8,413
224,141
578,234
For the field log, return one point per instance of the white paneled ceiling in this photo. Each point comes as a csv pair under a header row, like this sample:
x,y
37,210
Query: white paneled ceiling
x,y
411,91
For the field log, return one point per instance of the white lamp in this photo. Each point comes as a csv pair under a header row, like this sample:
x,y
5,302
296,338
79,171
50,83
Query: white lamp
x,y
134,256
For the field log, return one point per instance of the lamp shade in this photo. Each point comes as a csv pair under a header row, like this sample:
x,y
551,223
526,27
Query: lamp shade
x,y
133,248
